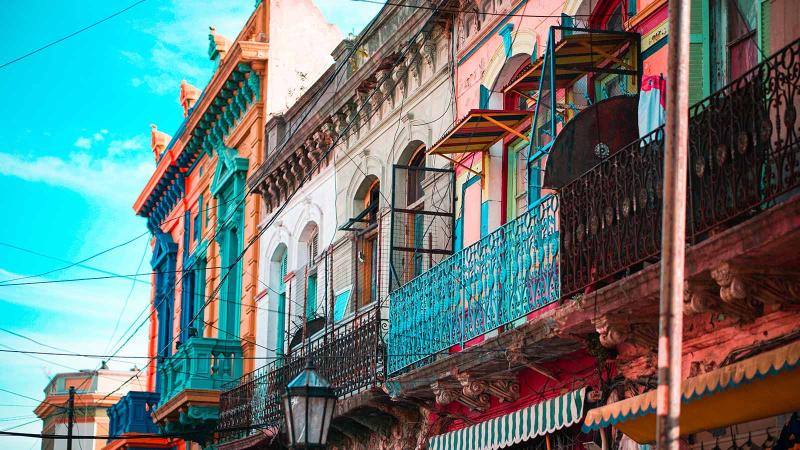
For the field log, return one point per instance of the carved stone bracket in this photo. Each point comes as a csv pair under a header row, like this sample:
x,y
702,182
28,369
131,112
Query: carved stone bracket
x,y
505,390
743,286
701,296
444,394
615,330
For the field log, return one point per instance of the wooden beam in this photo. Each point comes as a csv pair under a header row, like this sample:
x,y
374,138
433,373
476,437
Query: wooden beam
x,y
604,53
458,163
507,128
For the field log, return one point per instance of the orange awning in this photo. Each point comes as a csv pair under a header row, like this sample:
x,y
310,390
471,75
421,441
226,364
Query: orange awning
x,y
755,388
480,129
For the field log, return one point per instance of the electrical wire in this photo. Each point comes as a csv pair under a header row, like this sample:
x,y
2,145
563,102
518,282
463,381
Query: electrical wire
x,y
476,11
6,282
220,227
74,33
31,398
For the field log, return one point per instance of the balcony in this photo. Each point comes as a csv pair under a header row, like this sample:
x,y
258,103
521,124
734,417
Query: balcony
x,y
744,157
605,224
129,418
191,380
350,356
499,279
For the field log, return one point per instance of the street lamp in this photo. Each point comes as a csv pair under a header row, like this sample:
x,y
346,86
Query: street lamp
x,y
308,405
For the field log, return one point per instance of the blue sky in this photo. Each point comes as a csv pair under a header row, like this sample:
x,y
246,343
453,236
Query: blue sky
x,y
75,153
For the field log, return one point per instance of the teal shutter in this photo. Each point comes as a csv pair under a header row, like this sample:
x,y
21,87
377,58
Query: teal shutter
x,y
699,69
311,297
484,100
763,30
280,337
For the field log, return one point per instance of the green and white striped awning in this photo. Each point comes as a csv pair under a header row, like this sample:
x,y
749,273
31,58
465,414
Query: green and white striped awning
x,y
518,426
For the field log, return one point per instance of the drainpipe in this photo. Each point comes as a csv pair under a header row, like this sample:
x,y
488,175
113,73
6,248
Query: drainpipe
x,y
673,222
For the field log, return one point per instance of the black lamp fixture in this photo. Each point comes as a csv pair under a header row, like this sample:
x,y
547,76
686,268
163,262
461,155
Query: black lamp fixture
x,y
308,404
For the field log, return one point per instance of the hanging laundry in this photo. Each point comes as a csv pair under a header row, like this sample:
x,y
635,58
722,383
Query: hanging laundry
x,y
652,104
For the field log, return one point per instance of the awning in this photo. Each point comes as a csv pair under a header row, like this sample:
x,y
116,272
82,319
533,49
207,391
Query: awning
x,y
755,388
580,52
518,426
479,130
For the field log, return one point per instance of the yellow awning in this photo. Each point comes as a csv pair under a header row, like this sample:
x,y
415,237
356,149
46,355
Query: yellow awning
x,y
755,388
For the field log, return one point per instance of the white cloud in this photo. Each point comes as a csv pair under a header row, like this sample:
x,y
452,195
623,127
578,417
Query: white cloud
x,y
98,136
83,142
117,147
181,47
116,176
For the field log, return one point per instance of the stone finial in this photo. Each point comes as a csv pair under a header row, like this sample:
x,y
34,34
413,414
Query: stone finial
x,y
218,45
189,96
158,141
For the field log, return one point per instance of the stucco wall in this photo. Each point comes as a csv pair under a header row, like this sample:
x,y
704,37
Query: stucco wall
x,y
314,202
300,46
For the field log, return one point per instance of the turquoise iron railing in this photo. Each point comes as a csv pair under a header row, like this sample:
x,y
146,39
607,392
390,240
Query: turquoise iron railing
x,y
506,275
200,363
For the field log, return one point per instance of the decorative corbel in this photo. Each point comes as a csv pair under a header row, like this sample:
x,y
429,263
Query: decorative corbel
x,y
618,329
744,286
505,390
444,394
701,296
473,392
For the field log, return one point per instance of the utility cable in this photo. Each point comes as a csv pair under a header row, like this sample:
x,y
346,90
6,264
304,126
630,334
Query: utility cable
x,y
74,33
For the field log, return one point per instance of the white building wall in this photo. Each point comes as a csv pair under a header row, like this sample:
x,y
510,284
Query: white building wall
x,y
302,41
315,202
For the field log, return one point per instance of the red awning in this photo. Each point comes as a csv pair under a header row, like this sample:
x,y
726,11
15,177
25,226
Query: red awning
x,y
480,129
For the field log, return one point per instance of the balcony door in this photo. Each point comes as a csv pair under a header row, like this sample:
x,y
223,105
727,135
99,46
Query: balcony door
x,y
472,213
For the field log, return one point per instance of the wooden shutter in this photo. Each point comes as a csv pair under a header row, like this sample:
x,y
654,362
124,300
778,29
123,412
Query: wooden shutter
x,y
699,72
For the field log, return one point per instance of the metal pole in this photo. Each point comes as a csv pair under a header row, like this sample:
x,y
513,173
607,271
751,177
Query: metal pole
x,y
70,416
673,222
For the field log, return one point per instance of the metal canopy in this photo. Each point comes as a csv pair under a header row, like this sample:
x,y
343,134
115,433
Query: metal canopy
x,y
479,130
581,51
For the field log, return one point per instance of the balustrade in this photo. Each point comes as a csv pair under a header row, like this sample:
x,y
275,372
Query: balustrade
x,y
503,277
744,156
350,356
200,363
131,414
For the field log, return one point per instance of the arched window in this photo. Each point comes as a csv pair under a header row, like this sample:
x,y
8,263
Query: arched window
x,y
365,224
278,268
307,254
416,176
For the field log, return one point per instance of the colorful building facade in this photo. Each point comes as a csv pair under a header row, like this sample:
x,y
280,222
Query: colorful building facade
x,y
96,393
459,224
205,226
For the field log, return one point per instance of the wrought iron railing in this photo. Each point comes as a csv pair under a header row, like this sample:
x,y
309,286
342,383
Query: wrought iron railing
x,y
503,277
744,143
610,217
350,356
744,154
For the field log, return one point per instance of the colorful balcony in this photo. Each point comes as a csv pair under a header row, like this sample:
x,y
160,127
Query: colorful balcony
x,y
604,224
191,381
505,276
350,356
744,157
130,418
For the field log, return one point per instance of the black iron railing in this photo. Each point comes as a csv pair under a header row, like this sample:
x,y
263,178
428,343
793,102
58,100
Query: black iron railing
x,y
610,217
351,356
744,156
